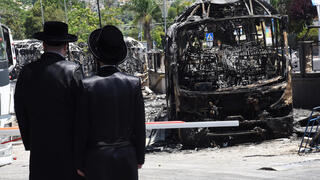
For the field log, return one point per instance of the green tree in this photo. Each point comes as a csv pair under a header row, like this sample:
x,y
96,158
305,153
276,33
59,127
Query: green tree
x,y
12,16
157,35
129,27
281,5
27,2
111,16
301,14
82,21
132,32
33,22
172,13
176,8
146,11
109,3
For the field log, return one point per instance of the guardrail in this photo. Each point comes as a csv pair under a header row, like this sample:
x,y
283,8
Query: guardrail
x,y
14,131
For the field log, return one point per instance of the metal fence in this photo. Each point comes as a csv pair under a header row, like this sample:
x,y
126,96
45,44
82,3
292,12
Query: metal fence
x,y
308,58
310,140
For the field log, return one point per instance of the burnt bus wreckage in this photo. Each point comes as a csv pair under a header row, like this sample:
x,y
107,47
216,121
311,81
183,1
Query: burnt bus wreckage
x,y
228,60
30,50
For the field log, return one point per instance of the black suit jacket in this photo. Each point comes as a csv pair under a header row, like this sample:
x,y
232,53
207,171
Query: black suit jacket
x,y
111,109
45,110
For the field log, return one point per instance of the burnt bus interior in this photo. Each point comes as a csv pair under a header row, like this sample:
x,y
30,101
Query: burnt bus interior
x,y
226,61
237,56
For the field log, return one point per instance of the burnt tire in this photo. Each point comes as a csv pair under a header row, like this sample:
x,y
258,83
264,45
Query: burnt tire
x,y
194,137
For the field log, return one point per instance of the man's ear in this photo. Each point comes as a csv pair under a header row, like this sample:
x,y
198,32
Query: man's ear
x,y
65,47
44,46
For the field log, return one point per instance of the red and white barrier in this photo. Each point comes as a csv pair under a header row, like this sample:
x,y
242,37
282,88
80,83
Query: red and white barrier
x,y
9,131
14,131
13,140
182,124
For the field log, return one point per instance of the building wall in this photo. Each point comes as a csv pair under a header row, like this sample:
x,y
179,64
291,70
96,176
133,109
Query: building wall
x,y
306,90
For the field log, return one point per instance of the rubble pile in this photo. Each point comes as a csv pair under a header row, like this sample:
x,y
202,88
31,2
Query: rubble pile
x,y
132,66
27,51
155,105
135,62
135,49
30,50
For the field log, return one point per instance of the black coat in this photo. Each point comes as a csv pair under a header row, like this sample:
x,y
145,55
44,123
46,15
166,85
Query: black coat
x,y
45,110
111,111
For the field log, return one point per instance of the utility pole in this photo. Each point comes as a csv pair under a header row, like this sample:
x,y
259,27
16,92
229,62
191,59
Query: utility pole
x,y
99,13
42,13
165,16
164,6
140,31
65,11
317,4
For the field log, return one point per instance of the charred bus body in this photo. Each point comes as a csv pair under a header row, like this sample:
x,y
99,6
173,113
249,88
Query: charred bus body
x,y
227,60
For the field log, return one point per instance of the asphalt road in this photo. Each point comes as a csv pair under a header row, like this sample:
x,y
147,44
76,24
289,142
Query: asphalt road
x,y
275,159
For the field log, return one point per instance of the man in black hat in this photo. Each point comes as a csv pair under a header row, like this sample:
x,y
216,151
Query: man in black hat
x,y
110,128
44,105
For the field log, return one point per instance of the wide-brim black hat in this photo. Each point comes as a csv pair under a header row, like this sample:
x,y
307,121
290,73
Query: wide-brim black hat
x,y
55,32
107,45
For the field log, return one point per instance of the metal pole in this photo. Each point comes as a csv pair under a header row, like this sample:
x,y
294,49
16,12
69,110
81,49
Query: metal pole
x,y
65,11
165,48
42,13
318,10
165,16
140,31
302,58
251,7
99,13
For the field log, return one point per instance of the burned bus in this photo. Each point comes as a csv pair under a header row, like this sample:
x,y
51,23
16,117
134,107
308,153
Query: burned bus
x,y
228,60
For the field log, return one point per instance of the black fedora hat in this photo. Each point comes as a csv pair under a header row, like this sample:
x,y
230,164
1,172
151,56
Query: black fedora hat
x,y
107,45
55,32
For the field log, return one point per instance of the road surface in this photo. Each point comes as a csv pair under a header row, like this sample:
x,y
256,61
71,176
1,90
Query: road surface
x,y
274,159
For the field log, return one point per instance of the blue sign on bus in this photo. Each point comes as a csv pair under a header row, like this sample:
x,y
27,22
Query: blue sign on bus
x,y
209,36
